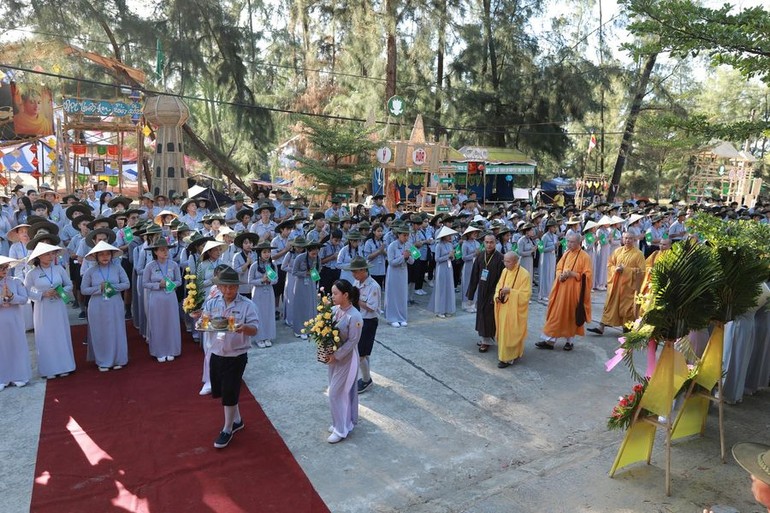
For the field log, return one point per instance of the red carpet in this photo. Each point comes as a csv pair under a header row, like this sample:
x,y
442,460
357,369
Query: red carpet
x,y
141,439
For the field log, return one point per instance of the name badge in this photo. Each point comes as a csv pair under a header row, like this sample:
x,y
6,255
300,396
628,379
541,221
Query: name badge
x,y
484,274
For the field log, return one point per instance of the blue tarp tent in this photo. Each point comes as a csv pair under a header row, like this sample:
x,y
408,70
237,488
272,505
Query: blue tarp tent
x,y
549,188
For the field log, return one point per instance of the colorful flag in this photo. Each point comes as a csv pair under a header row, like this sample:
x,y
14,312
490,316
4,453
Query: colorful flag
x,y
591,143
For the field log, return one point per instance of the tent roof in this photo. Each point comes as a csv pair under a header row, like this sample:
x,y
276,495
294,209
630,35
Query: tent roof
x,y
721,149
492,155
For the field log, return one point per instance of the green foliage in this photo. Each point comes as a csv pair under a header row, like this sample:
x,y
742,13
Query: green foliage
x,y
683,291
340,154
743,259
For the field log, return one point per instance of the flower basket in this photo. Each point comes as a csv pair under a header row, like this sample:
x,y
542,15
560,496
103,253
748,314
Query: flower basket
x,y
623,413
324,353
193,301
323,331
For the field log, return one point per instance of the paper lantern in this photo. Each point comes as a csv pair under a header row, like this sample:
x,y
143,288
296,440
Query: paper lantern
x,y
51,154
112,150
34,161
146,131
36,174
79,149
3,181
82,179
33,148
52,141
101,150
113,180
53,169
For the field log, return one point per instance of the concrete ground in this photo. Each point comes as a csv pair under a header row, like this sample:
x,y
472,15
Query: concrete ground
x,y
445,431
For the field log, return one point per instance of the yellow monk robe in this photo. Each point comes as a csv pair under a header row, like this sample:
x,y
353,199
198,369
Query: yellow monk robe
x,y
511,316
620,306
648,269
560,317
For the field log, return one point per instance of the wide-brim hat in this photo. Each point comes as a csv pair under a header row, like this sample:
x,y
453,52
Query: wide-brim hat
x,y
264,206
289,223
253,237
103,246
435,219
634,218
239,196
196,240
148,196
112,223
10,262
265,244
573,220
90,236
13,233
589,225
163,213
355,235
359,263
43,227
160,243
78,207
754,458
120,214
244,212
50,238
656,219
120,200
42,203
415,219
445,231
503,231
181,228
401,229
183,206
212,244
214,216
285,197
41,249
333,219
227,276
152,229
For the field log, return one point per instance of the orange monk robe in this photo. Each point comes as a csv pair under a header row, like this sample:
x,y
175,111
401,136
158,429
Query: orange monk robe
x,y
648,270
620,306
511,316
560,317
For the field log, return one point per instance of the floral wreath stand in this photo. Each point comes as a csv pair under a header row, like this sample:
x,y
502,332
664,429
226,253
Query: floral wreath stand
x,y
658,401
669,377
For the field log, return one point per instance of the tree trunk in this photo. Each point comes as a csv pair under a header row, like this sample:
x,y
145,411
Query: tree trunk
x,y
628,133
442,7
390,67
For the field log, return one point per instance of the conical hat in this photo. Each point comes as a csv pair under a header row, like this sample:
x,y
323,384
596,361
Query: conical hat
x,y
211,245
445,231
470,229
103,246
41,249
617,219
634,218
589,225
605,221
9,261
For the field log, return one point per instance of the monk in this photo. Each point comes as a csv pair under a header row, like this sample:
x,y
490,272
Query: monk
x,y
625,272
487,269
512,310
665,245
573,267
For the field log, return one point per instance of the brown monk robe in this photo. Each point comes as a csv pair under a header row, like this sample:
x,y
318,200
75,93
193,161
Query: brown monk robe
x,y
625,272
487,269
565,294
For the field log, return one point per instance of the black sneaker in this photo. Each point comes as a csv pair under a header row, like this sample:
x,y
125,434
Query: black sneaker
x,y
277,316
363,386
223,439
237,426
128,315
82,315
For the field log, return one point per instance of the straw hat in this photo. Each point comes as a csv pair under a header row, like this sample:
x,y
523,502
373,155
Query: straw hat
x,y
754,458
103,246
159,218
470,229
573,220
604,221
445,231
13,234
42,249
224,230
357,264
212,244
10,262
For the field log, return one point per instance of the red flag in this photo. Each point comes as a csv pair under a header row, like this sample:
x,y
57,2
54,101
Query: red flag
x,y
591,143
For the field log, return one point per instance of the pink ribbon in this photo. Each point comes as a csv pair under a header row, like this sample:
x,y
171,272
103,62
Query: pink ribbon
x,y
612,362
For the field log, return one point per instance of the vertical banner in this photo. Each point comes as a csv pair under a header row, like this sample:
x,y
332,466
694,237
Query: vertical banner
x,y
378,181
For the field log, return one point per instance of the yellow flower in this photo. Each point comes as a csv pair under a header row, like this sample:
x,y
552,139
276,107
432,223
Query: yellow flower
x,y
327,315
320,308
192,286
336,332
302,330
187,269
336,339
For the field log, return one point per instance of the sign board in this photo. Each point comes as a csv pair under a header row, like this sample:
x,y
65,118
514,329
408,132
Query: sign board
x,y
419,155
442,208
384,155
396,106
449,180
101,108
510,169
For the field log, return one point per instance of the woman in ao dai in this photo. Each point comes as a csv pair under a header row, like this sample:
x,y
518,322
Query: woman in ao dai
x,y
261,278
